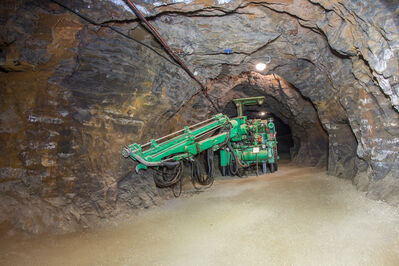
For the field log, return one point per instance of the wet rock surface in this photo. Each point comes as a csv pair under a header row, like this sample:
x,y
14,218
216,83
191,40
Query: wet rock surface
x,y
72,93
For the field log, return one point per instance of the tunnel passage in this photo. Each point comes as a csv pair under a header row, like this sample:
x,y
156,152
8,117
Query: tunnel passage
x,y
74,92
284,138
307,140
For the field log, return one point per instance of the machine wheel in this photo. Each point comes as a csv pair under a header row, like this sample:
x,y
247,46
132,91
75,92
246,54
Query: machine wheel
x,y
272,167
264,168
224,170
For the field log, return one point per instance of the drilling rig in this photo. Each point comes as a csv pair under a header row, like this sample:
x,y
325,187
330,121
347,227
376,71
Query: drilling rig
x,y
241,143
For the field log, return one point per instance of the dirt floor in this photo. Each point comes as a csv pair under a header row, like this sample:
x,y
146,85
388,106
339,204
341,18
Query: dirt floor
x,y
296,216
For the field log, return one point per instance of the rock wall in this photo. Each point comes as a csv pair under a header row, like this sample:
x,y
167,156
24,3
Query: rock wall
x,y
76,85
282,99
72,95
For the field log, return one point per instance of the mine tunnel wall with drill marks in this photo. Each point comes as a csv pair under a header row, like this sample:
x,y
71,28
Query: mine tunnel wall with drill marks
x,y
75,91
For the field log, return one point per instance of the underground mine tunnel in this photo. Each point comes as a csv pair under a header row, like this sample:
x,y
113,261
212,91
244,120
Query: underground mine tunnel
x,y
80,81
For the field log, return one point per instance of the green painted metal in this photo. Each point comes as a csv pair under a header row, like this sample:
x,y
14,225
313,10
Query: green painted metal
x,y
224,157
252,141
251,156
247,101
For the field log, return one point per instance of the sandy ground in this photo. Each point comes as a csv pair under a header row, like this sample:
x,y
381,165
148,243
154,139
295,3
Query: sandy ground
x,y
297,216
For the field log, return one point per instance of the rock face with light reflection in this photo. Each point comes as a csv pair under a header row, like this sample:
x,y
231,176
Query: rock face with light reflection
x,y
73,93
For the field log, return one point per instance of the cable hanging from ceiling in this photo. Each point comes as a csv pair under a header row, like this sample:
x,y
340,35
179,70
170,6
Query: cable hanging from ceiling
x,y
158,37
155,33
91,21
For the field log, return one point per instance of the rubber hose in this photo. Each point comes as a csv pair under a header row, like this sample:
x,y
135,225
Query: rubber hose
x,y
236,157
180,184
211,170
233,165
205,180
162,183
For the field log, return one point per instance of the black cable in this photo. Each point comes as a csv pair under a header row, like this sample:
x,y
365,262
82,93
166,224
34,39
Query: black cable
x,y
195,173
158,37
209,158
163,180
236,157
173,55
233,164
180,184
115,30
198,177
227,126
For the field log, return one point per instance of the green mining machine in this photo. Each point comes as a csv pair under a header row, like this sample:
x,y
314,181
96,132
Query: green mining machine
x,y
242,143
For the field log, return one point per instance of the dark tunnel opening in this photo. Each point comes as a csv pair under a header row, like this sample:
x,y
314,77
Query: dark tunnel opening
x,y
300,135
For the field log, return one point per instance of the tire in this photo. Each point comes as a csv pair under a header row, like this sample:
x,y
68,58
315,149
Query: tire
x,y
272,169
264,168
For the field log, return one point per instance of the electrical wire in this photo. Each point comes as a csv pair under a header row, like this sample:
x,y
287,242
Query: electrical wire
x,y
236,157
210,163
163,180
158,37
91,21
233,165
197,177
180,186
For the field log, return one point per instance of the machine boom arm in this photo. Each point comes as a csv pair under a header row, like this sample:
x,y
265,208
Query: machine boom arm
x,y
185,145
241,143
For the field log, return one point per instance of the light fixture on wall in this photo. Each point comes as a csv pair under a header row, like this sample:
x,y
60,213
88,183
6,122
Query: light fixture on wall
x,y
260,66
261,63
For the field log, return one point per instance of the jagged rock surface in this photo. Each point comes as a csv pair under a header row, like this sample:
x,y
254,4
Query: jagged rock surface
x,y
73,93
282,100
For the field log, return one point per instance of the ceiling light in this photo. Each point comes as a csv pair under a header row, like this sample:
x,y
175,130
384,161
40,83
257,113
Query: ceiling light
x,y
260,66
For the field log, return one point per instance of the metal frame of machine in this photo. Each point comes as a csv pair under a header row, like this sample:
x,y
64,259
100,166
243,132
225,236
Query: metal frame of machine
x,y
242,142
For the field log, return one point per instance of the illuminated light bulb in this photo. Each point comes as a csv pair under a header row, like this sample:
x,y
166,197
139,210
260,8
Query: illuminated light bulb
x,y
262,113
260,66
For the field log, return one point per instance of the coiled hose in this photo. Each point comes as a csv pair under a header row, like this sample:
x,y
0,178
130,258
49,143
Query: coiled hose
x,y
236,157
165,180
198,177
233,165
